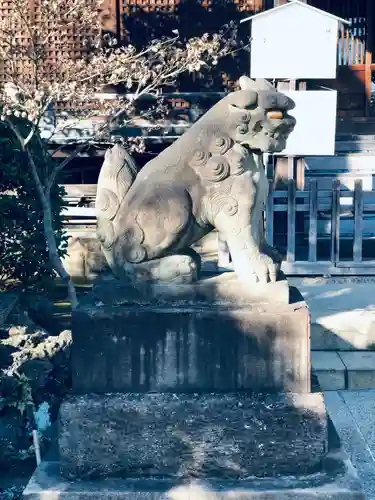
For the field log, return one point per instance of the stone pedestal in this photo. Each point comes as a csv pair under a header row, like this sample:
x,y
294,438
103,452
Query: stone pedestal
x,y
193,392
183,436
337,481
212,336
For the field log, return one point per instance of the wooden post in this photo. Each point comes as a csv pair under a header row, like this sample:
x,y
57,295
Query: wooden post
x,y
335,222
368,55
368,62
110,17
358,221
269,214
291,233
313,212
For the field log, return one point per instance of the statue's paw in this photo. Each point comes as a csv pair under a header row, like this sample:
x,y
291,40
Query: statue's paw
x,y
179,269
265,269
196,258
272,252
275,256
188,269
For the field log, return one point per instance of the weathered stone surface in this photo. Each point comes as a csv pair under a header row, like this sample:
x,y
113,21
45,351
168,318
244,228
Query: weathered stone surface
x,y
338,482
224,289
180,435
212,176
191,344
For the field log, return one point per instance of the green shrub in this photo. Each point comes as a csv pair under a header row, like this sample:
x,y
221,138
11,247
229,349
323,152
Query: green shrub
x,y
23,250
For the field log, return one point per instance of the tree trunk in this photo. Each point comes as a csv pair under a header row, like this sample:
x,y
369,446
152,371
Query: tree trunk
x,y
54,254
44,196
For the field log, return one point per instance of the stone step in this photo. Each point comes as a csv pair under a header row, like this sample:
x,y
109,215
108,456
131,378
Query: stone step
x,y
342,312
338,481
345,370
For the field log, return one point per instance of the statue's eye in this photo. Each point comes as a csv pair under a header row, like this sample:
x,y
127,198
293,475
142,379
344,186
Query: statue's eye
x,y
243,129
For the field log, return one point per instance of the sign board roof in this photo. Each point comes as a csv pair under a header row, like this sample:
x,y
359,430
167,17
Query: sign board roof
x,y
288,5
294,41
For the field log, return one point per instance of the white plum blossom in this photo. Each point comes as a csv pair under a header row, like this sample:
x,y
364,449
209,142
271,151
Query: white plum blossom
x,y
36,80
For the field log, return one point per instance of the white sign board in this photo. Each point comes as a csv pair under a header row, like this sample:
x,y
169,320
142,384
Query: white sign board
x,y
293,42
314,133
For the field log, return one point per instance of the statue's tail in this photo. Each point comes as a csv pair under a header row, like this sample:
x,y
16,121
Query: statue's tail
x,y
116,176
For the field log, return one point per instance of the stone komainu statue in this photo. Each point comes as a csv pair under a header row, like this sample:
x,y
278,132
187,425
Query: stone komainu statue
x,y
211,177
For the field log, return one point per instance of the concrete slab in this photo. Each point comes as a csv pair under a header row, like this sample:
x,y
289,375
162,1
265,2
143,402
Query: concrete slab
x,y
352,414
342,312
361,405
360,369
341,484
330,370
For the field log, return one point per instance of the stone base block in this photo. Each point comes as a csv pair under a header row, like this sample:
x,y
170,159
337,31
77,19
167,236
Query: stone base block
x,y
222,289
338,481
209,338
184,436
